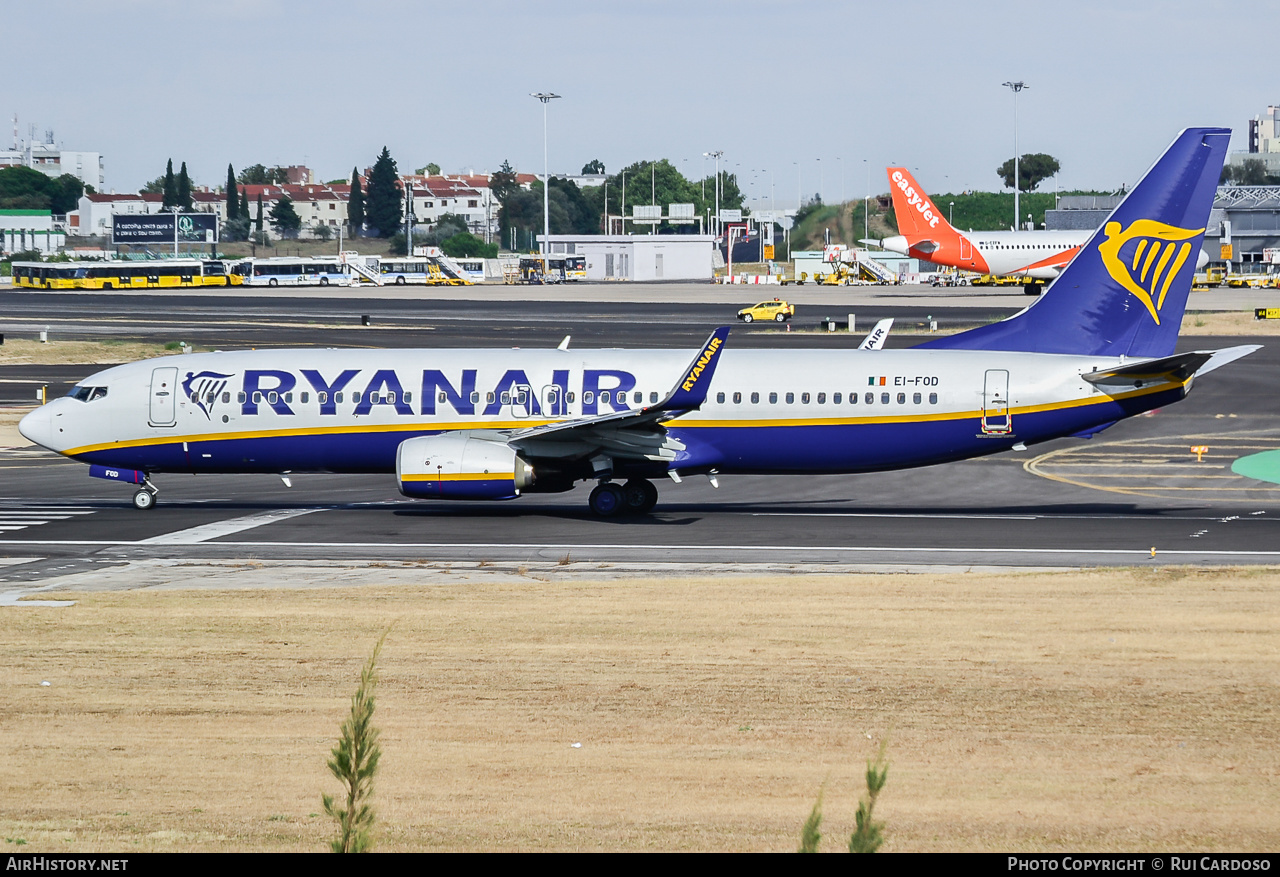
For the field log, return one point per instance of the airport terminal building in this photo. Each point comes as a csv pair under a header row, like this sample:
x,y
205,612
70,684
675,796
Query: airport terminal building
x,y
640,257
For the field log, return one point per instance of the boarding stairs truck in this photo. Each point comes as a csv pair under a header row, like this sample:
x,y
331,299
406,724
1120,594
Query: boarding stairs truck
x,y
360,269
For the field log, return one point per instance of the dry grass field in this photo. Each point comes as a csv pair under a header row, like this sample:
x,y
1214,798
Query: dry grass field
x,y
1126,710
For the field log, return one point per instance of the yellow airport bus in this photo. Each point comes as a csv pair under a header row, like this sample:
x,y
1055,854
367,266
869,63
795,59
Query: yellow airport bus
x,y
151,274
575,267
45,275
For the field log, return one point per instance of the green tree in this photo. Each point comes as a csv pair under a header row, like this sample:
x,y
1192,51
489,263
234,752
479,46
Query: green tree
x,y
355,204
1033,169
184,189
465,245
24,188
503,183
254,175
170,190
64,193
431,170
237,229
869,835
810,834
259,218
383,210
233,196
354,762
261,175
595,166
322,231
155,187
284,219
1251,172
244,206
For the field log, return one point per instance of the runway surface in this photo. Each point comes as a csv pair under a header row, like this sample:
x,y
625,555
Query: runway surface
x,y
1108,501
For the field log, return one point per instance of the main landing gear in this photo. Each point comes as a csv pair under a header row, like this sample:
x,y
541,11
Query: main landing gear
x,y
636,497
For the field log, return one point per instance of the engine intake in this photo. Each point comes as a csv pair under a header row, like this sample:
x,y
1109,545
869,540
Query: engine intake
x,y
457,465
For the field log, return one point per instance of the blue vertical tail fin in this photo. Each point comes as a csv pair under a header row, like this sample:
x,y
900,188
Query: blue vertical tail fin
x,y
1126,290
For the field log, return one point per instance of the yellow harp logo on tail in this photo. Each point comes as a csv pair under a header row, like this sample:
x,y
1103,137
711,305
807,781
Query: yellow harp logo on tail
x,y
1146,257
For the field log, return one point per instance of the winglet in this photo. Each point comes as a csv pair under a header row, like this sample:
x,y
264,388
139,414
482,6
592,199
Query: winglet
x,y
691,392
876,337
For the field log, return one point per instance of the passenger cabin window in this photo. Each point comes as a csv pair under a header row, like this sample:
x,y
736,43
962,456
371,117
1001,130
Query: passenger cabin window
x,y
773,398
720,398
755,398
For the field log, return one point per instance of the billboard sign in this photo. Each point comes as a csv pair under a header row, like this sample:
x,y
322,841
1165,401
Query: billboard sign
x,y
159,228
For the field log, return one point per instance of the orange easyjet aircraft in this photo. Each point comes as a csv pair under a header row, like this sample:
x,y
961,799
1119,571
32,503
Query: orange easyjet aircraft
x,y
926,234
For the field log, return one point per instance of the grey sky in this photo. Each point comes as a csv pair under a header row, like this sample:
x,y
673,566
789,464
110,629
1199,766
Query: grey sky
x,y
917,83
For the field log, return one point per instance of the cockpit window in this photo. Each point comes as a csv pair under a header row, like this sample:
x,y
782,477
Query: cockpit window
x,y
88,394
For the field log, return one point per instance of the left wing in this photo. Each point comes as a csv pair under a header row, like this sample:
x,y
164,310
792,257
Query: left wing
x,y
637,432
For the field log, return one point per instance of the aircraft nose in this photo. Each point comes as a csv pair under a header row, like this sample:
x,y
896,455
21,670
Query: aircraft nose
x,y
38,427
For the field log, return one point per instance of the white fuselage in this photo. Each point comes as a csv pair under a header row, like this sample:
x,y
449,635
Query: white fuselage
x,y
765,411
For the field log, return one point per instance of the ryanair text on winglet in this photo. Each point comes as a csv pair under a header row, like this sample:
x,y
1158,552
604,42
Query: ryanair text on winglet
x,y
707,356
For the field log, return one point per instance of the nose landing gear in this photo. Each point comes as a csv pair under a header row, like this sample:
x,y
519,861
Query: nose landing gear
x,y
145,498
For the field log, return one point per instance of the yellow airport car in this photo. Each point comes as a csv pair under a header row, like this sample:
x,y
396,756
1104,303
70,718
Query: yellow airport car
x,y
775,309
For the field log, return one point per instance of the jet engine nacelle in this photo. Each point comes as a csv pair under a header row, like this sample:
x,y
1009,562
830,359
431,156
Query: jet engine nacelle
x,y
457,465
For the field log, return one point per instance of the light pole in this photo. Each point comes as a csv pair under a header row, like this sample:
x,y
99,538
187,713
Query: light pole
x,y
951,214
1015,87
866,205
546,98
820,181
716,154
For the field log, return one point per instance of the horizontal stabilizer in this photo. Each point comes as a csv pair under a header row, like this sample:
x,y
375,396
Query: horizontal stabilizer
x,y
1179,367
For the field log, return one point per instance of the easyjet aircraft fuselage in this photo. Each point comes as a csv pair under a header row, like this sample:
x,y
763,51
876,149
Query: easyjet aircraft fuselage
x,y
926,234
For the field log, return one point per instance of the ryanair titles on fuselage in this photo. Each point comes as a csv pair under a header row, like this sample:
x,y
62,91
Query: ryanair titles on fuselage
x,y
274,389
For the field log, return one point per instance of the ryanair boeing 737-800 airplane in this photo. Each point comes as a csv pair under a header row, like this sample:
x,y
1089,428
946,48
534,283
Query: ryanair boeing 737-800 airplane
x,y
496,424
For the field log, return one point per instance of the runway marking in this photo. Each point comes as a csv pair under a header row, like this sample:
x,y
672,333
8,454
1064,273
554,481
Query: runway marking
x,y
558,549
205,532
13,519
1079,466
892,515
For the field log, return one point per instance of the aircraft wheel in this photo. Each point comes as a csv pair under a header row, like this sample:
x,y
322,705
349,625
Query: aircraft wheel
x,y
747,318
144,500
1032,289
606,500
640,496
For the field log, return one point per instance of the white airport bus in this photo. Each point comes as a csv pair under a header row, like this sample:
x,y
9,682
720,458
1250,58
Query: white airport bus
x,y
471,268
297,271
414,269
